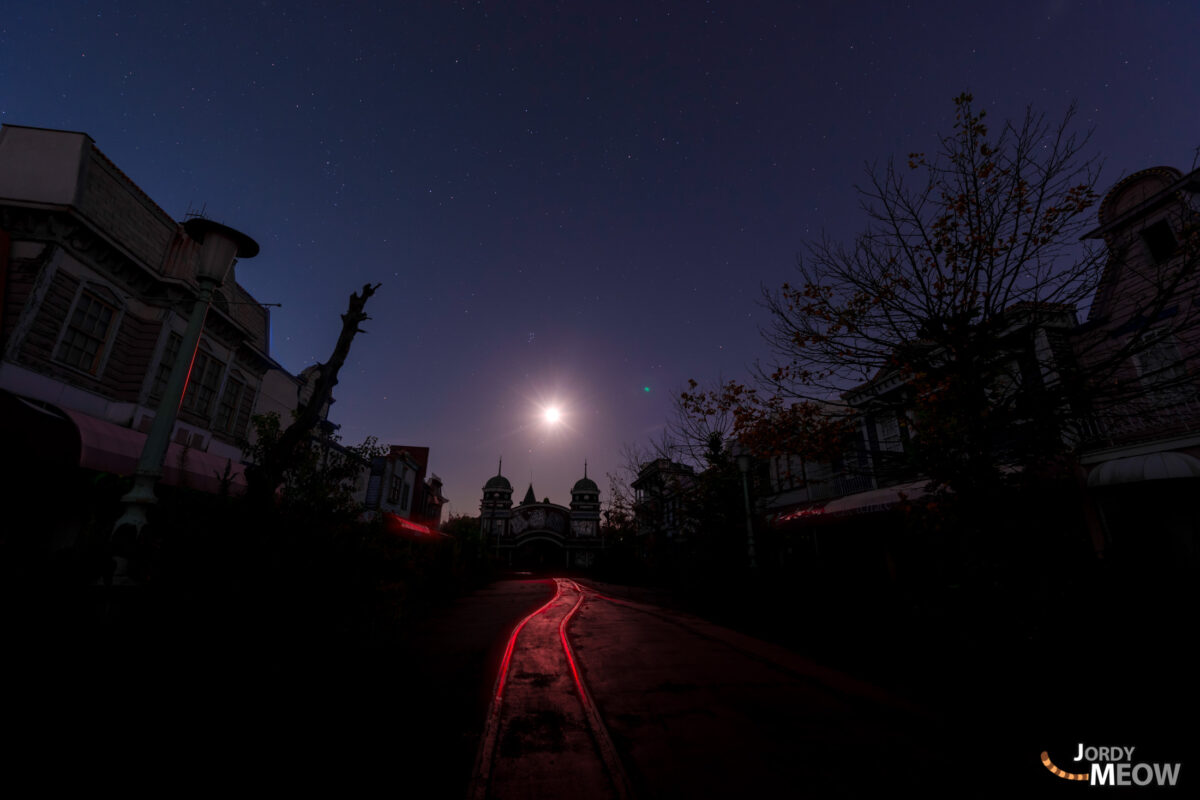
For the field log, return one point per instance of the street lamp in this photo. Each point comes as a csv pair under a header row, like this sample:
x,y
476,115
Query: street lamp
x,y
220,246
744,462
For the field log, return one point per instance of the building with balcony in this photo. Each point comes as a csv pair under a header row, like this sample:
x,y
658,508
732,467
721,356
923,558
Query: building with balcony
x,y
1141,343
1119,393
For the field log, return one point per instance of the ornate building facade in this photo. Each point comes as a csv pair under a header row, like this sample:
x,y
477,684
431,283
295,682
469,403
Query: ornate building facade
x,y
540,534
97,283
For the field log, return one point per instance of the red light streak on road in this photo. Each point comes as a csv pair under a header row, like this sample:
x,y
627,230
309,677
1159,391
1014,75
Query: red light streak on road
x,y
562,632
512,641
608,753
487,744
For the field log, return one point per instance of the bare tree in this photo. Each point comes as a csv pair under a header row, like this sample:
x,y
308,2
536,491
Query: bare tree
x,y
266,476
952,243
700,436
954,313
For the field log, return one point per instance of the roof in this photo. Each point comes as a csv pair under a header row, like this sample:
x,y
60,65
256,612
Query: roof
x,y
585,484
498,482
1157,184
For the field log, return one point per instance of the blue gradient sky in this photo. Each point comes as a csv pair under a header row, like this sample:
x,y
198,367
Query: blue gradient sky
x,y
563,201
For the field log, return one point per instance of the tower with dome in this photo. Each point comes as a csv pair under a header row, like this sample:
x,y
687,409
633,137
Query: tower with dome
x,y
539,534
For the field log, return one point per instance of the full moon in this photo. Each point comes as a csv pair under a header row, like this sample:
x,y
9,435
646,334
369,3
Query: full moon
x,y
552,415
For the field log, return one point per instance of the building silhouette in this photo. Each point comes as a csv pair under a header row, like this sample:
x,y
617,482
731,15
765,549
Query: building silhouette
x,y
539,534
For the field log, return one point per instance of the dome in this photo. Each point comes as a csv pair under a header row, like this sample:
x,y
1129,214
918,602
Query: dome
x,y
498,482
585,485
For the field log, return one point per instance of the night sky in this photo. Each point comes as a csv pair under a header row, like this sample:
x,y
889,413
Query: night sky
x,y
564,202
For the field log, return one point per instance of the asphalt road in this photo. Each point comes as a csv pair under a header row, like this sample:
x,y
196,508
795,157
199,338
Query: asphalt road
x,y
663,704
659,704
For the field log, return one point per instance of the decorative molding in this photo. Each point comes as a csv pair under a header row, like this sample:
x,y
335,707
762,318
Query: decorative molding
x,y
65,228
69,231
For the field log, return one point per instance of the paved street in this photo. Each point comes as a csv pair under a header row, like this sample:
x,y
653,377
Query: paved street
x,y
683,708
659,704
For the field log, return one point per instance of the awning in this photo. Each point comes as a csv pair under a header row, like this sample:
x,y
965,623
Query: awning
x,y
108,447
47,433
857,503
37,433
876,499
800,512
1148,467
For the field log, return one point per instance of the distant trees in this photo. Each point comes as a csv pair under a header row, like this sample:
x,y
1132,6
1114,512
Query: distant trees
x,y
463,527
687,512
617,517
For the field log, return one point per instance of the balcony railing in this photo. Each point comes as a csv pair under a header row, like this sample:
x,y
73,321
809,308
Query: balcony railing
x,y
1142,419
839,486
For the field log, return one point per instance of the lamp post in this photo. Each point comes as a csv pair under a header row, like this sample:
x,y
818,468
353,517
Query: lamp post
x,y
220,246
744,461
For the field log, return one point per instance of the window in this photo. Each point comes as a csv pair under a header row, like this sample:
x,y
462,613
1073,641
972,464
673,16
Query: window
x,y
789,473
84,342
231,398
203,384
170,353
888,430
1160,240
1161,369
394,490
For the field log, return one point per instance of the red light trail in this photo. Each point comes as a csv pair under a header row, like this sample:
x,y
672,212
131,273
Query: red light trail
x,y
512,641
535,654
562,633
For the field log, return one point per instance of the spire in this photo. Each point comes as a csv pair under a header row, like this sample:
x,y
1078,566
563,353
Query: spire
x,y
585,468
529,496
500,466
